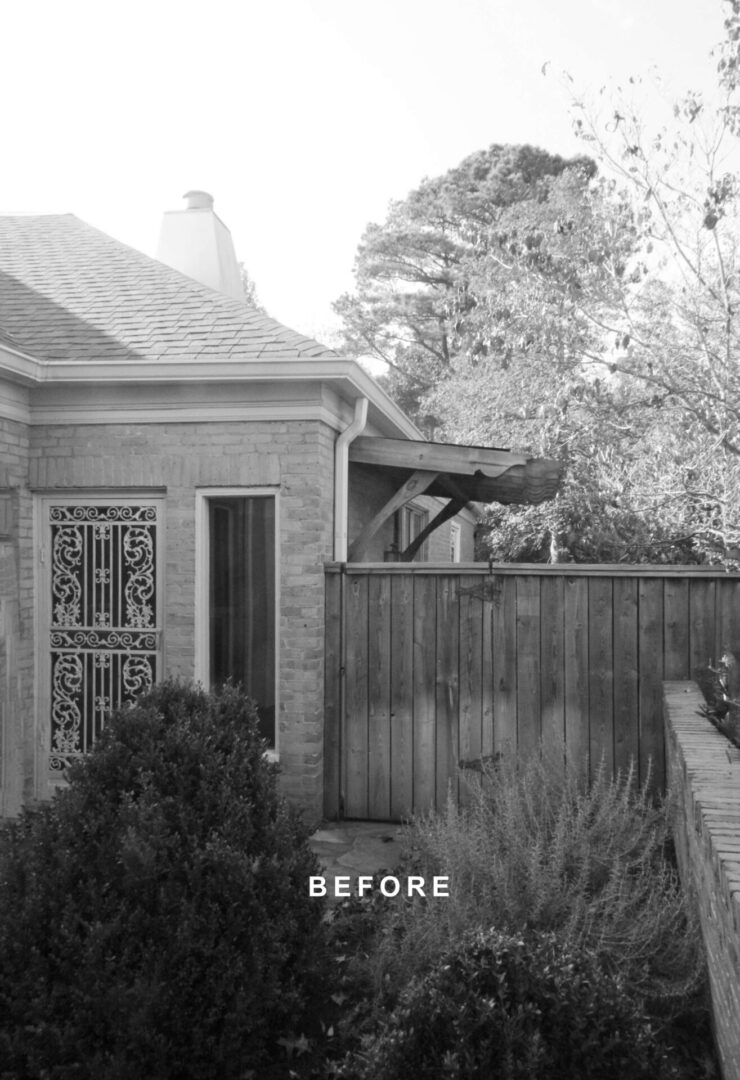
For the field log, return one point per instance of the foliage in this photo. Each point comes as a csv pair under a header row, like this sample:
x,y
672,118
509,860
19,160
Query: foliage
x,y
537,852
517,1007
535,849
673,319
591,318
414,307
721,688
153,917
353,1010
250,290
543,863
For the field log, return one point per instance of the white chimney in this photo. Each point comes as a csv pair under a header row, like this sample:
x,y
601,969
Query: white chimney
x,y
196,242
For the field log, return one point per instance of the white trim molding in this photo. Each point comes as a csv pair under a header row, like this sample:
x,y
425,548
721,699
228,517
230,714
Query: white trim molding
x,y
346,376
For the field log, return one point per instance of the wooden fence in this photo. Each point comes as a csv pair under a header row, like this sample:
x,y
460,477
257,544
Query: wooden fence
x,y
431,669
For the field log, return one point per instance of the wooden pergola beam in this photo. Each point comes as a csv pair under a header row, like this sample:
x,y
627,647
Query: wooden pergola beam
x,y
442,457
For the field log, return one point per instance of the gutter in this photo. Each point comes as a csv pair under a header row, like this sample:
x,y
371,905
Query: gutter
x,y
341,477
341,508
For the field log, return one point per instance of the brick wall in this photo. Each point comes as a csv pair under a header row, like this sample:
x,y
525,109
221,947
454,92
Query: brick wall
x,y
703,772
294,457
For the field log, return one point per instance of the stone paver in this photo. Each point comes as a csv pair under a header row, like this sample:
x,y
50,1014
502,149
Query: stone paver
x,y
352,848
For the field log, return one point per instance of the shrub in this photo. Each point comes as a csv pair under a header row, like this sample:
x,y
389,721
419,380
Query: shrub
x,y
517,1008
535,850
154,919
721,687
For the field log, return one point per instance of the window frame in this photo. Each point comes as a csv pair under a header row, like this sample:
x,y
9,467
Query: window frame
x,y
406,512
202,585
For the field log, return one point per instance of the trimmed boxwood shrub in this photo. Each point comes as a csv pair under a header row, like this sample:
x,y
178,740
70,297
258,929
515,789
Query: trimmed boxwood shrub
x,y
517,1008
154,917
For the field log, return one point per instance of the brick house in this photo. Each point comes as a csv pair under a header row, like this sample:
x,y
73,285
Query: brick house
x,y
175,471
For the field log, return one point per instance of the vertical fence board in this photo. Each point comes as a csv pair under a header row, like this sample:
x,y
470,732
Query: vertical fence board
x,y
356,726
448,679
652,756
473,674
676,629
402,697
728,618
487,664
425,655
503,630
577,740
379,706
601,672
702,625
626,676
552,671
332,666
529,713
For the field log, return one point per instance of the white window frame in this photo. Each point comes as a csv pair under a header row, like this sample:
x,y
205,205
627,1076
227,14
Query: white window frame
x,y
405,513
202,590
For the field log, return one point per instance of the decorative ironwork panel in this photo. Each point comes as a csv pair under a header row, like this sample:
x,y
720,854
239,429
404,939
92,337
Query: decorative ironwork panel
x,y
103,634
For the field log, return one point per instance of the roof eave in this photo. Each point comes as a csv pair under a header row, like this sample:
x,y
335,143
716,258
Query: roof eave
x,y
347,376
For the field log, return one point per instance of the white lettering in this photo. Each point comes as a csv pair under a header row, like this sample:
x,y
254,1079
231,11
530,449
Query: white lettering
x,y
316,886
341,886
389,886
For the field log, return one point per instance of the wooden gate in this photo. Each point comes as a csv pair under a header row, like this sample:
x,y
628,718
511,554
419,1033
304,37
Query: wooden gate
x,y
432,669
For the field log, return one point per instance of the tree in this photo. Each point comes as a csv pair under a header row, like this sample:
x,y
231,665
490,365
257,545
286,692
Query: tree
x,y
250,290
593,317
414,307
542,371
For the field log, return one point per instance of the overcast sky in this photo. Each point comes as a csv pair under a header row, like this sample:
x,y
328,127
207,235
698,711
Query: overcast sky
x,y
302,117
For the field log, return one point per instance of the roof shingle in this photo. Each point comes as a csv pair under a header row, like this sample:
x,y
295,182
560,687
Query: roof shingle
x,y
69,292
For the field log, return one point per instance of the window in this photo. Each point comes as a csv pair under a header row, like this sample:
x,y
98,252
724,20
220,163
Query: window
x,y
412,520
239,593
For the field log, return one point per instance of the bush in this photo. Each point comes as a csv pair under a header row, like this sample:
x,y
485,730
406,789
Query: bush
x,y
154,917
537,850
721,687
515,1008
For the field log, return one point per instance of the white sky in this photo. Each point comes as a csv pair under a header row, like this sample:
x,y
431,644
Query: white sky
x,y
302,117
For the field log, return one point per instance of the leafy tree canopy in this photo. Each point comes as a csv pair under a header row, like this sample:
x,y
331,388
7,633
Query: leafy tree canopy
x,y
534,302
414,307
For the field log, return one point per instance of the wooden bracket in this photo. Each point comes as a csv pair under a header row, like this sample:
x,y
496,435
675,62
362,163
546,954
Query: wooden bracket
x,y
454,506
416,484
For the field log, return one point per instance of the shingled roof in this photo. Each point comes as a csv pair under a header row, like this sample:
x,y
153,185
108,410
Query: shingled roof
x,y
69,292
